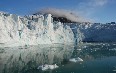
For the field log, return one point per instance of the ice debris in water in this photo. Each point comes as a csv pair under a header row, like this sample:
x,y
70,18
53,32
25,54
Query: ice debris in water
x,y
114,70
79,49
114,49
76,60
46,67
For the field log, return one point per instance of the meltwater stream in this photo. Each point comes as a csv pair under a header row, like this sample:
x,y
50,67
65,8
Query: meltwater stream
x,y
97,58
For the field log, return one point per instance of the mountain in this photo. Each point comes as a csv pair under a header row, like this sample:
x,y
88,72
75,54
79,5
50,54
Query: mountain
x,y
98,32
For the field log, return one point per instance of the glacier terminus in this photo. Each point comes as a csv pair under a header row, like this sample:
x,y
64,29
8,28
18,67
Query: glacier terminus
x,y
33,30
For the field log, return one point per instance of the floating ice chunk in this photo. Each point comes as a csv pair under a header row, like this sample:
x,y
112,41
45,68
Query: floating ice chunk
x,y
85,47
76,60
73,60
53,66
114,49
46,67
114,70
79,49
43,67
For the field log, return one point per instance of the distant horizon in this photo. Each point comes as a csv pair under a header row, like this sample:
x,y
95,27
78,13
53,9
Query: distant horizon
x,y
99,11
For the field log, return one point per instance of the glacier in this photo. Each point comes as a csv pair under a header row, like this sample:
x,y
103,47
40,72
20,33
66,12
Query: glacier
x,y
42,29
98,32
33,30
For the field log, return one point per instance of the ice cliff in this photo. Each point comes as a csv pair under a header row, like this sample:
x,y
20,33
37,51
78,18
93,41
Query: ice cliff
x,y
33,30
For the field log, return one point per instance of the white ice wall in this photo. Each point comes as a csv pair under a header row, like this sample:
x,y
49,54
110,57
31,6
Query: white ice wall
x,y
19,31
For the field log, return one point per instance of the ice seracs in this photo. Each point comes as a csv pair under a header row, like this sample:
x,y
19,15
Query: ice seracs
x,y
47,66
33,30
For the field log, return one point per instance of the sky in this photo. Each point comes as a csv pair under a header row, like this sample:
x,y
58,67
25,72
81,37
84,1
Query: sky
x,y
102,11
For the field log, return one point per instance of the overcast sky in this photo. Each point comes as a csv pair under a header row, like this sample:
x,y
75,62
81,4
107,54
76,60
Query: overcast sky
x,y
96,10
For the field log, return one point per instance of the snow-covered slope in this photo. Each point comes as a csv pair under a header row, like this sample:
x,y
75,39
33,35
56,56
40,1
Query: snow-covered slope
x,y
98,32
32,30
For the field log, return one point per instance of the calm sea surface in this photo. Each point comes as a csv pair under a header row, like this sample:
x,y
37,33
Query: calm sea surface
x,y
97,58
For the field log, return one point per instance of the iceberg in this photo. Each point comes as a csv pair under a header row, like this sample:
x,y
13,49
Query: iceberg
x,y
33,30
46,67
76,59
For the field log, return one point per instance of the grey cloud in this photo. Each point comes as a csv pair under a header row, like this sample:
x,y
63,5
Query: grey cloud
x,y
63,13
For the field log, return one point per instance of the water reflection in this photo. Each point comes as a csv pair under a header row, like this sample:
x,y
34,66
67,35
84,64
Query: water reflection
x,y
27,59
17,59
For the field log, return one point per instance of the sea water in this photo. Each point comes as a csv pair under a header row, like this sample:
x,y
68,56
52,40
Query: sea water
x,y
97,58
